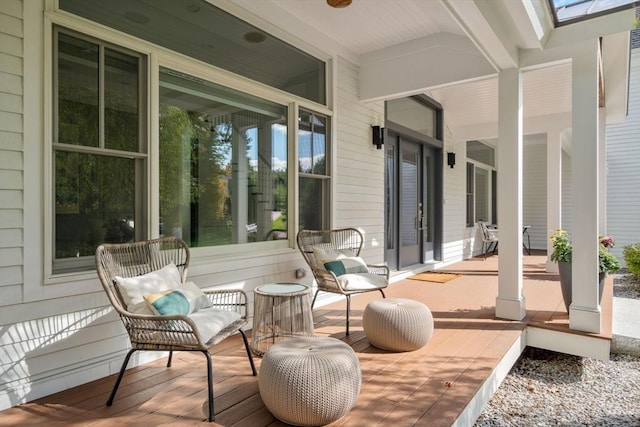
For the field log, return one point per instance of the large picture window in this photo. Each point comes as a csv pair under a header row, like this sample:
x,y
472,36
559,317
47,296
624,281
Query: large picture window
x,y
221,176
99,148
223,163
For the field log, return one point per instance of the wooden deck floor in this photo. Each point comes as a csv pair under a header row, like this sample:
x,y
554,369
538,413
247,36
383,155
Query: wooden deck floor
x,y
430,386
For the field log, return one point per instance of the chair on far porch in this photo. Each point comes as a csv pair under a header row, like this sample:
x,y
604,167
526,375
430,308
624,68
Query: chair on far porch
x,y
334,259
146,285
489,238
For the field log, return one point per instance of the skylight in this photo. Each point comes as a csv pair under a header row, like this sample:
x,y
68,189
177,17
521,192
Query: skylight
x,y
569,11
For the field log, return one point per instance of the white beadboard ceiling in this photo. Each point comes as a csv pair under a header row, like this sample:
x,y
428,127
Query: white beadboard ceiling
x,y
498,27
546,91
370,25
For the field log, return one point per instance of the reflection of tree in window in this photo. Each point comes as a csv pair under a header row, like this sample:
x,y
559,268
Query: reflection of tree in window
x,y
193,187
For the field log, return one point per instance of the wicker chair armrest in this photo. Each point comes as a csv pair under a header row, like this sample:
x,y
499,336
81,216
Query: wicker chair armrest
x,y
326,280
229,299
161,330
379,269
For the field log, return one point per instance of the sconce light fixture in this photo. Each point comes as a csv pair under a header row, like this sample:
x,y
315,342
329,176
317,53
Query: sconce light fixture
x,y
451,159
378,136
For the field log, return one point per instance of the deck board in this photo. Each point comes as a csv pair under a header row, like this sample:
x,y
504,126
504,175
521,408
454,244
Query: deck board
x,y
430,386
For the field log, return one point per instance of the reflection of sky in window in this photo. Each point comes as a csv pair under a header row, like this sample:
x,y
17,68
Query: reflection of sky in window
x,y
311,149
278,147
570,10
562,3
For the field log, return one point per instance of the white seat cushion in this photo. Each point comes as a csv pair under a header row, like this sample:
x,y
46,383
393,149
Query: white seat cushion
x,y
362,281
210,321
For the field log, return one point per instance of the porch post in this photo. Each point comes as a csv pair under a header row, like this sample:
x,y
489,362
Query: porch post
x,y
584,312
510,303
602,168
554,191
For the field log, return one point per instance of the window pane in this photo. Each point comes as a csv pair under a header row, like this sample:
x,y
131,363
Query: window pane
x,y
470,189
313,194
77,84
481,152
223,163
409,197
312,143
482,195
200,30
390,191
121,101
95,203
413,115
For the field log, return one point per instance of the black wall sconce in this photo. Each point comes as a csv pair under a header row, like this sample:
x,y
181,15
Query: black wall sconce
x,y
378,136
451,159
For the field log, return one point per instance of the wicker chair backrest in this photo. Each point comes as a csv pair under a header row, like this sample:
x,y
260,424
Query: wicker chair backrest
x,y
135,259
337,239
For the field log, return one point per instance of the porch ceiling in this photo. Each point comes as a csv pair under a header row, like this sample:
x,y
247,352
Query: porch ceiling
x,y
395,41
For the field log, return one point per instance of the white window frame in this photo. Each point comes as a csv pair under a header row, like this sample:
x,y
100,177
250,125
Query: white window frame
x,y
490,194
156,57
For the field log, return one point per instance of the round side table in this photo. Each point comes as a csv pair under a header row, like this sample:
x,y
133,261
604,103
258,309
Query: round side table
x,y
280,310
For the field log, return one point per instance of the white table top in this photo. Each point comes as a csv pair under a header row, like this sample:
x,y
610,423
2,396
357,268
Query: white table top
x,y
282,288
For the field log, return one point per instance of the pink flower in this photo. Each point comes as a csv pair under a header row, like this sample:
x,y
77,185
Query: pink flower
x,y
607,241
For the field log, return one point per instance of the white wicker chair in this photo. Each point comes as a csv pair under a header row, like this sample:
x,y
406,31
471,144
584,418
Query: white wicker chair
x,y
339,240
489,238
164,333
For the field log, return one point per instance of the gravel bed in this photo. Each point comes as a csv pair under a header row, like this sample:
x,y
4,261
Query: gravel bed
x,y
545,388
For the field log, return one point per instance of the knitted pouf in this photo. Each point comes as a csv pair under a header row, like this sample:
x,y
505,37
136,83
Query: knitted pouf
x,y
397,324
309,381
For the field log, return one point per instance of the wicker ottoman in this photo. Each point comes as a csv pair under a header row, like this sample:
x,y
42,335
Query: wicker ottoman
x,y
397,324
309,381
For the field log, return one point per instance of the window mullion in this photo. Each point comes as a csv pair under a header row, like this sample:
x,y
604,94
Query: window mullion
x,y
101,91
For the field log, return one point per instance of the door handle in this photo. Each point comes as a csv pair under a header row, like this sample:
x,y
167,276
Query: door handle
x,y
419,218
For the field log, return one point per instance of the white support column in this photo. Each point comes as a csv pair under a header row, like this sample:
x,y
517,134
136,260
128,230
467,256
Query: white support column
x,y
554,191
239,183
602,174
510,303
584,312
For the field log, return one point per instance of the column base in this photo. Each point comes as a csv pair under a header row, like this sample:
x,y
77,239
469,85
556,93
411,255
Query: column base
x,y
585,319
512,309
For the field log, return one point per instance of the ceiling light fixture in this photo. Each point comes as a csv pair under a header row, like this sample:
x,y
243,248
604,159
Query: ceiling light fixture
x,y
136,17
338,3
254,37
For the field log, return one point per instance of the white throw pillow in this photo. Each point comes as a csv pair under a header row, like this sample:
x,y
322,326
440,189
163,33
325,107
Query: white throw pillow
x,y
326,254
197,298
133,289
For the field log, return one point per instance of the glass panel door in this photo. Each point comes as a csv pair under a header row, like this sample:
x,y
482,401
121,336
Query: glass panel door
x,y
411,203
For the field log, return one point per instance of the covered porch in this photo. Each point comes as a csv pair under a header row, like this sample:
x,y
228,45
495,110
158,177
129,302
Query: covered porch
x,y
445,383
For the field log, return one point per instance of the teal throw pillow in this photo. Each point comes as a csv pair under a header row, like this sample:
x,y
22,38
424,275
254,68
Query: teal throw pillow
x,y
346,265
168,303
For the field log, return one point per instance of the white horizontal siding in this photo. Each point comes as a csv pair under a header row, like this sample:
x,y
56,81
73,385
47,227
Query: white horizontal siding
x,y
623,169
359,177
566,192
534,205
458,240
11,156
